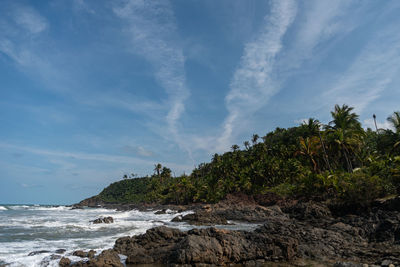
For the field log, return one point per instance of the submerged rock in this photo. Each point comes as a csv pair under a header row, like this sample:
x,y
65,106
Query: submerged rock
x,y
33,253
104,220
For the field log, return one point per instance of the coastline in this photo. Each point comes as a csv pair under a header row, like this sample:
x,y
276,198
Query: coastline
x,y
292,233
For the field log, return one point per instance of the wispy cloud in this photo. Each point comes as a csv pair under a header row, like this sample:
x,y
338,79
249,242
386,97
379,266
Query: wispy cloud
x,y
320,21
369,123
29,19
152,29
370,73
252,84
92,157
139,150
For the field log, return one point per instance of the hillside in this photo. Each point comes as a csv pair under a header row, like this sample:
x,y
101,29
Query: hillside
x,y
339,161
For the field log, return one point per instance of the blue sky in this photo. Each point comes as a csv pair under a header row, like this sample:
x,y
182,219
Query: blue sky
x,y
91,90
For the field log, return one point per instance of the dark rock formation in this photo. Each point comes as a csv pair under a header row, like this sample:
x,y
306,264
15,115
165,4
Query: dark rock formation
x,y
33,253
107,258
104,220
201,217
164,245
64,262
80,253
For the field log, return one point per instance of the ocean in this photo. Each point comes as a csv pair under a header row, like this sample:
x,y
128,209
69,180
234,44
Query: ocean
x,y
39,231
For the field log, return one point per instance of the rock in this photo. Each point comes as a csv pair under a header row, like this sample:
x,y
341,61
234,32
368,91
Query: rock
x,y
163,245
386,263
107,258
80,253
60,251
91,254
64,262
33,253
201,217
104,220
163,211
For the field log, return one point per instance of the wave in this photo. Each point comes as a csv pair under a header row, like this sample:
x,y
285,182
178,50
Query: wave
x,y
3,208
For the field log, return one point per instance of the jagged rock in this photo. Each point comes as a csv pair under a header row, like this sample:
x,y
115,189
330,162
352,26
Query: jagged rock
x,y
33,253
64,262
107,258
60,251
163,211
201,217
163,245
80,253
104,220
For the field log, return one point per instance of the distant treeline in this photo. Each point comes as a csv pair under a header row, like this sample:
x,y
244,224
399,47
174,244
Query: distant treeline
x,y
339,161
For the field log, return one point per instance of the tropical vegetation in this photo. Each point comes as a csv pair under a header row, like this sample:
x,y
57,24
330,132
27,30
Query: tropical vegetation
x,y
339,161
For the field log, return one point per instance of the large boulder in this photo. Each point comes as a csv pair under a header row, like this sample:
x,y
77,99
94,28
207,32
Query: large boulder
x,y
163,245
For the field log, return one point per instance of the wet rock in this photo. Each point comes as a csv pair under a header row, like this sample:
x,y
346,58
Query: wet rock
x,y
201,217
33,253
107,258
80,253
91,254
64,262
60,251
104,220
163,245
163,211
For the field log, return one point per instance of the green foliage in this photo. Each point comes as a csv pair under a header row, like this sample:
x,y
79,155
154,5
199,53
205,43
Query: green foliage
x,y
339,161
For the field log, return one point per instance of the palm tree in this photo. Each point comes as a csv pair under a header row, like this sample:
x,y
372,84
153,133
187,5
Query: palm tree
x,y
235,148
311,127
346,131
157,169
254,138
344,118
310,147
246,144
394,119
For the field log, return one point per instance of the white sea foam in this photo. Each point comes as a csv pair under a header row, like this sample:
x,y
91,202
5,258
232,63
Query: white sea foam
x,y
35,228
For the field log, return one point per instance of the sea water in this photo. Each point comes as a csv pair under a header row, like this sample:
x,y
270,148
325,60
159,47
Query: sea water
x,y
32,228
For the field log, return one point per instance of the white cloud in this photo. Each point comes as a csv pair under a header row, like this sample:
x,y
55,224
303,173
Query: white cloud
x,y
321,20
152,29
370,73
252,84
369,123
92,157
29,19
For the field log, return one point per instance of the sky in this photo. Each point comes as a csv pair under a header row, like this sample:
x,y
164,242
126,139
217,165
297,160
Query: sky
x,y
93,90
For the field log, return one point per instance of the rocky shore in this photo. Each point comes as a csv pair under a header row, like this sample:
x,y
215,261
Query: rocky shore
x,y
294,232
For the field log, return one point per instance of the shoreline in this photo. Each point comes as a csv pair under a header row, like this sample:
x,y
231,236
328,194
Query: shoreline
x,y
291,233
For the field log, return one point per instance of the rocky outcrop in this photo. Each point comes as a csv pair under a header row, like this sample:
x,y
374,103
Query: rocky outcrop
x,y
64,262
164,245
107,258
291,230
80,253
103,220
202,217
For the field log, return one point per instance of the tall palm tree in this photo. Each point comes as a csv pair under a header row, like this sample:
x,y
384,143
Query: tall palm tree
x,y
344,118
157,169
394,119
346,132
254,138
246,144
311,127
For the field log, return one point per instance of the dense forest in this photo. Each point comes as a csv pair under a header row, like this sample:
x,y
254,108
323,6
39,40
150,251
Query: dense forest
x,y
339,161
